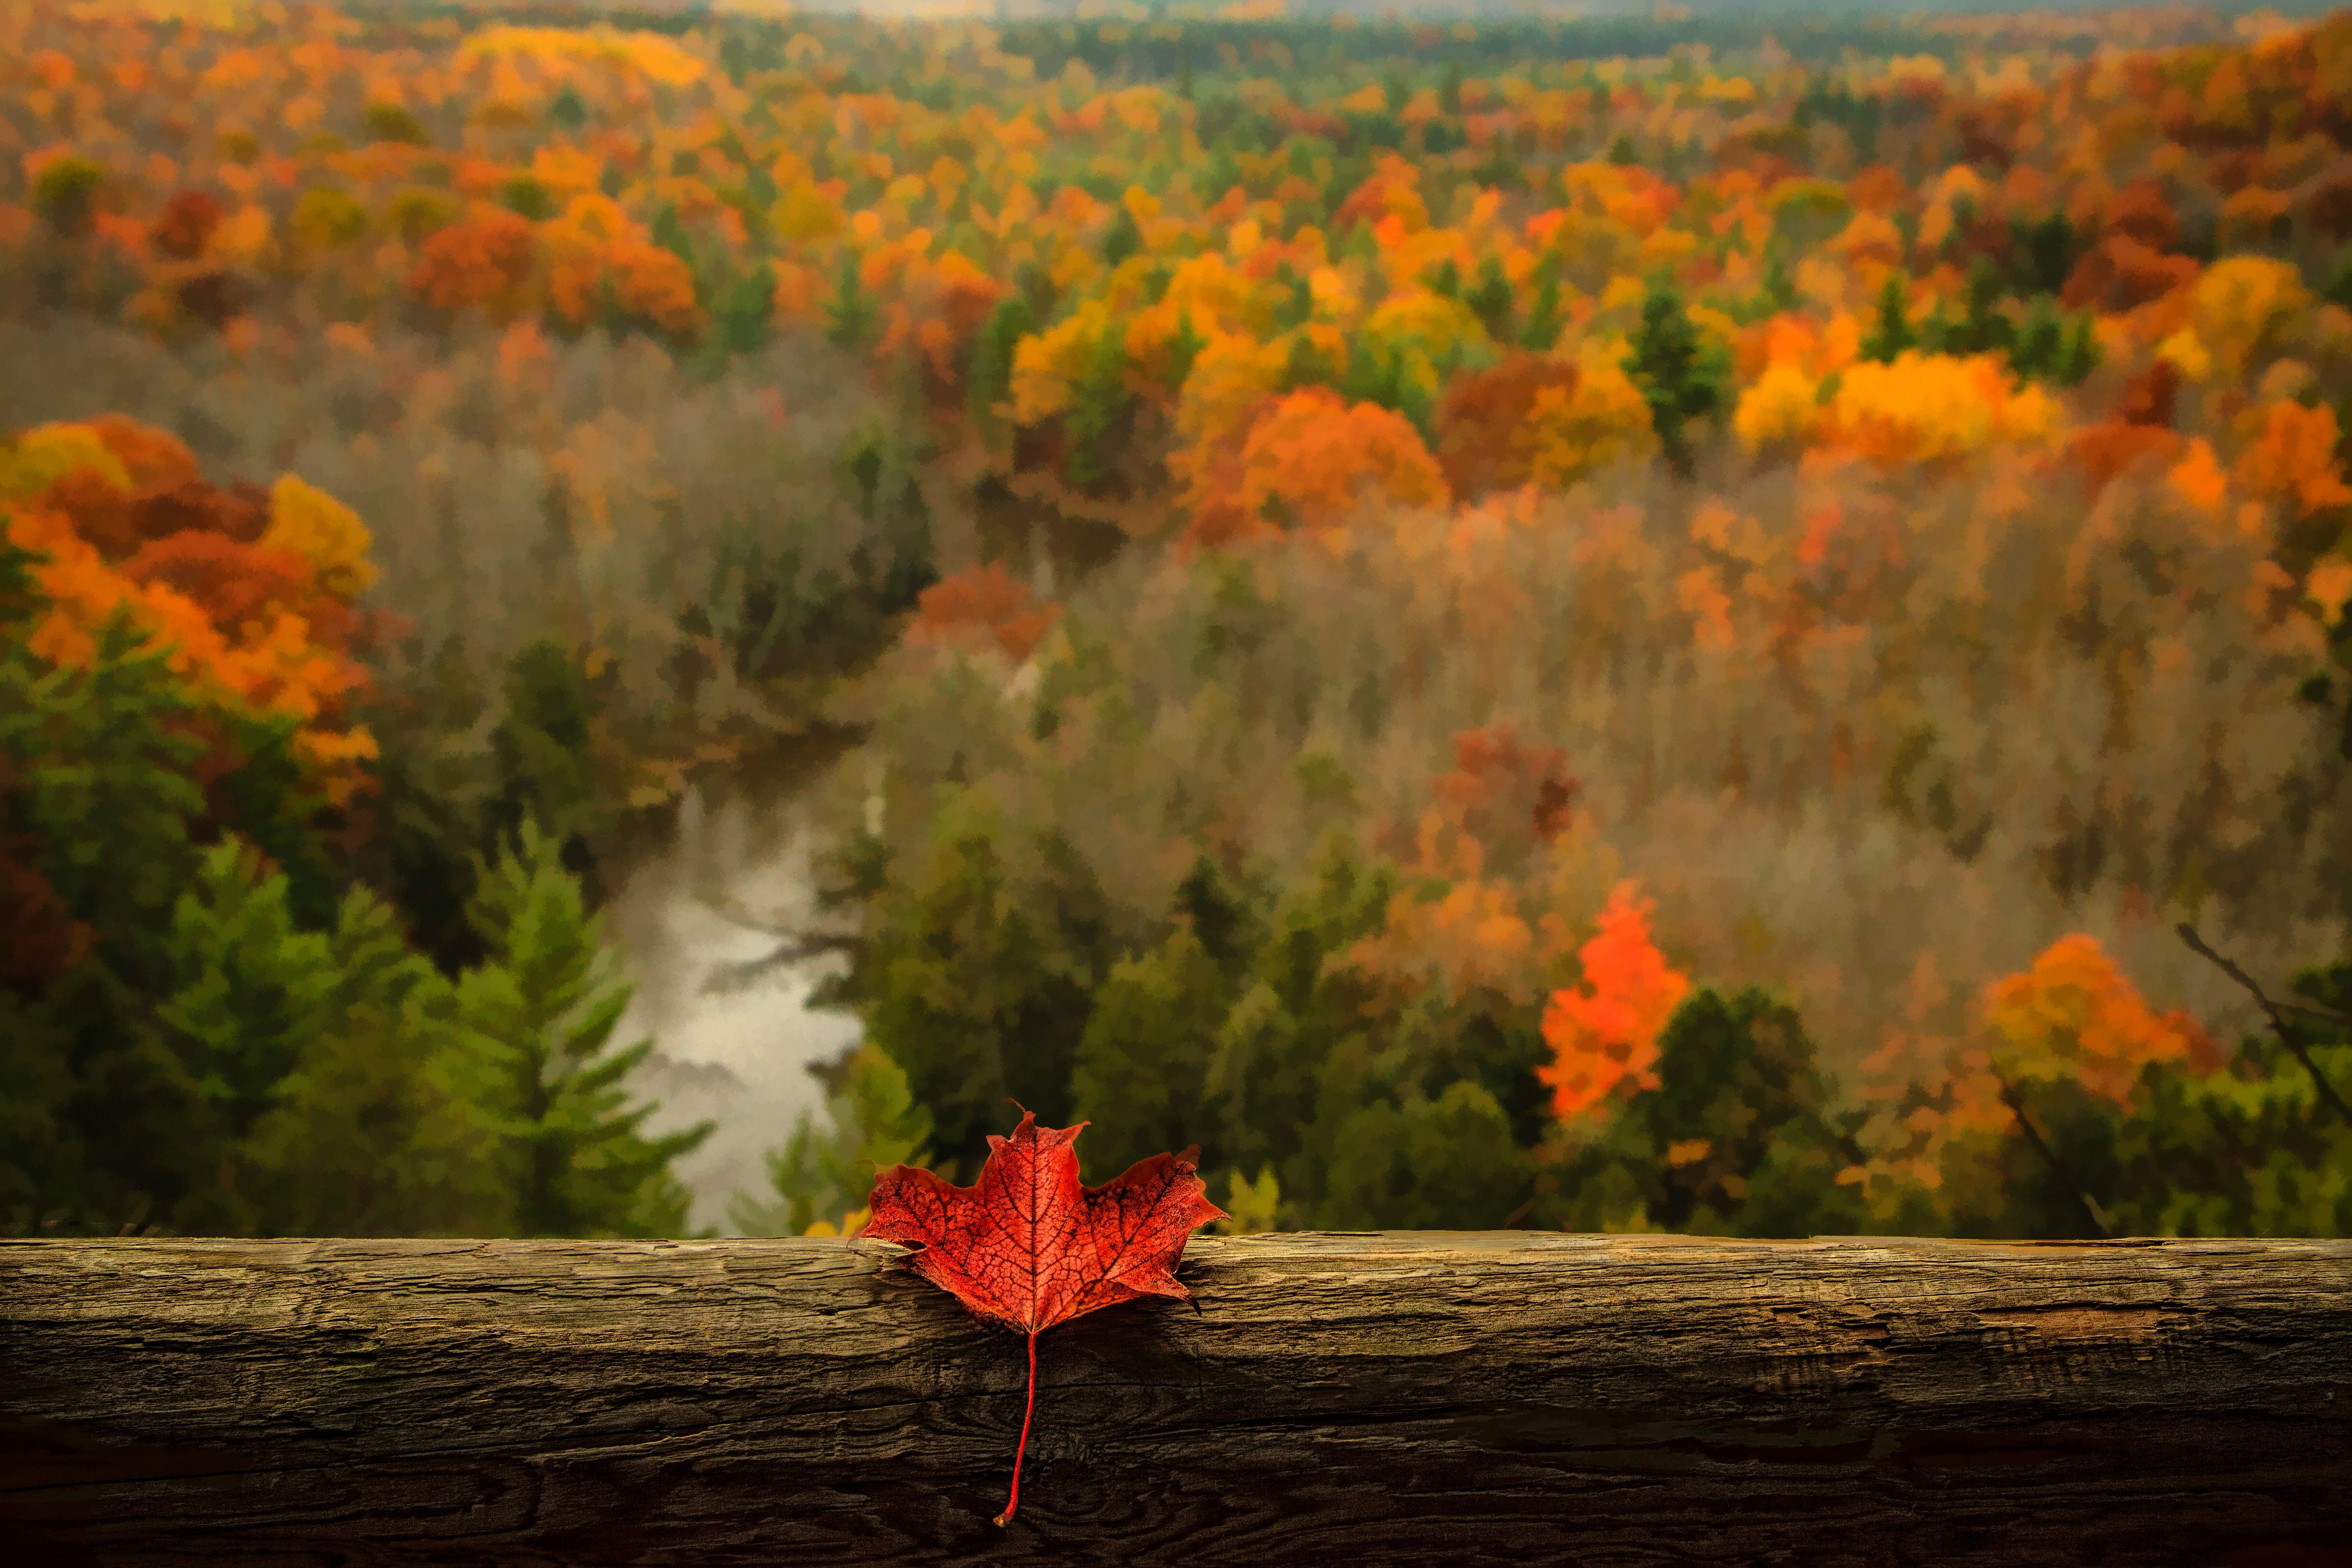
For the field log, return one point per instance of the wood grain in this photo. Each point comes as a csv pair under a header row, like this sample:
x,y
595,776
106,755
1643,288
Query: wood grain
x,y
1378,1399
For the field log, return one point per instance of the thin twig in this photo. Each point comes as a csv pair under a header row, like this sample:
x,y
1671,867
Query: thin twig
x,y
2276,1011
2090,1205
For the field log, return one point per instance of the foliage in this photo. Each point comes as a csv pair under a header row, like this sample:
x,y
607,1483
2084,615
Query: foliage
x,y
1309,462
1026,1247
821,1177
1680,376
214,1028
1605,1033
575,1155
1318,650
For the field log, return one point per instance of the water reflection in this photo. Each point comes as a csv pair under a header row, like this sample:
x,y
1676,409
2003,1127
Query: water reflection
x,y
716,932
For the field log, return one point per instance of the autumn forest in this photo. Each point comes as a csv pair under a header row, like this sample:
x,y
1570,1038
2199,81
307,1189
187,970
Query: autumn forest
x,y
1676,619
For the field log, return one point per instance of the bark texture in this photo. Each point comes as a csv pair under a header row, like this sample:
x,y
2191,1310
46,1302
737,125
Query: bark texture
x,y
1399,1398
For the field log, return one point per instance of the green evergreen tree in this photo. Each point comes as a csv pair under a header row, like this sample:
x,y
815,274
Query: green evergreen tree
x,y
251,989
992,350
1739,1074
1305,364
1938,333
1101,411
383,1128
978,982
852,313
1983,328
1222,914
1123,238
1492,300
383,1124
1298,308
1386,374
1142,1063
742,306
668,231
823,1173
1545,316
1182,350
1417,1162
1297,1007
567,111
103,1127
1893,335
542,749
2044,252
1682,377
526,196
577,1159
2079,355
2040,343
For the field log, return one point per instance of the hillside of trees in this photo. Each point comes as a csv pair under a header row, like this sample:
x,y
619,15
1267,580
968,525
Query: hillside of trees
x,y
1651,622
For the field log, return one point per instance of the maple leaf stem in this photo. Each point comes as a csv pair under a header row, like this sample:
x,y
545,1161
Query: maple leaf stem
x,y
1014,1500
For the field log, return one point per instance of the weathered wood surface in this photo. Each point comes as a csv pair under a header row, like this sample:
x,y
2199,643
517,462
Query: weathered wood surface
x,y
1409,1398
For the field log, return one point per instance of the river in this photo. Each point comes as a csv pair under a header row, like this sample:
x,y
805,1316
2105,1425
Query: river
x,y
701,923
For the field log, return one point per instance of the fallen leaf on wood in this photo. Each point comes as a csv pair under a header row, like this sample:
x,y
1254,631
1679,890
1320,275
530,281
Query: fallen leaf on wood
x,y
1027,1246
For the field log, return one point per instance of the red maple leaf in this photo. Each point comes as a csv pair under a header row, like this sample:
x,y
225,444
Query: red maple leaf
x,y
1027,1246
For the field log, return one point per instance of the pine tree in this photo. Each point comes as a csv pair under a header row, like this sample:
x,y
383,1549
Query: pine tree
x,y
1545,319
103,1127
1298,308
383,1125
1142,1064
992,350
1414,1161
1740,1122
978,983
252,989
741,305
1490,300
1682,377
383,1128
1984,329
821,1176
1182,350
2040,343
1307,365
851,314
578,1160
1893,335
1101,410
1122,239
2078,356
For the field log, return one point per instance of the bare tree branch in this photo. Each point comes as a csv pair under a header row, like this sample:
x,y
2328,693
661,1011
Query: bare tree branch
x,y
2092,1212
2276,1011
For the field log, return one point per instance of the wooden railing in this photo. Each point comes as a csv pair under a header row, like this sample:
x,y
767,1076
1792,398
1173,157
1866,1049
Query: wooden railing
x,y
1372,1399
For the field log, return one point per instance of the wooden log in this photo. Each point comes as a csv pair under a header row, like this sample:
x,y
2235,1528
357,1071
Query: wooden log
x,y
1374,1399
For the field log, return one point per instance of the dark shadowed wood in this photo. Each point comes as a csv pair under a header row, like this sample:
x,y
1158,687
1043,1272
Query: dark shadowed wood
x,y
1412,1398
